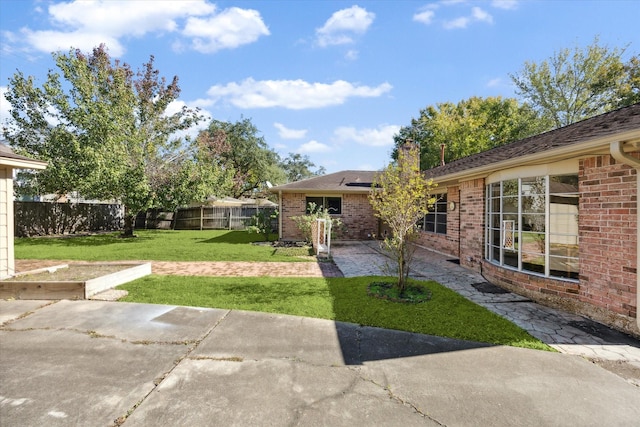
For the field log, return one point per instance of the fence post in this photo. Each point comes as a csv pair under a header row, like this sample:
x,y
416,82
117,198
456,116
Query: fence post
x,y
201,216
230,215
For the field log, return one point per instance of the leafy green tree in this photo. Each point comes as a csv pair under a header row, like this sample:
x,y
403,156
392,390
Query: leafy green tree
x,y
239,148
400,196
468,127
629,91
103,128
298,167
575,84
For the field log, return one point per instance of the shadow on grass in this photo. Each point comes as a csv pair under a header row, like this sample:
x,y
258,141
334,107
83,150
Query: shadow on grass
x,y
80,240
237,237
373,329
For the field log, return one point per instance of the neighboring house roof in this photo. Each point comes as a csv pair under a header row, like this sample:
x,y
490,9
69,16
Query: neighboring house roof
x,y
584,137
350,181
16,161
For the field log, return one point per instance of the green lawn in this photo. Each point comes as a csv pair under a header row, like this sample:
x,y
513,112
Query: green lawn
x,y
157,245
447,314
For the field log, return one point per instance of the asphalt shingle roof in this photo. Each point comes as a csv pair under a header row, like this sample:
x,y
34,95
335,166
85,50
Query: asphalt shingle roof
x,y
7,153
610,123
350,181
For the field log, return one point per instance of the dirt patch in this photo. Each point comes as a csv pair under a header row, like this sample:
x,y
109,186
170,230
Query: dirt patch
x,y
624,369
75,273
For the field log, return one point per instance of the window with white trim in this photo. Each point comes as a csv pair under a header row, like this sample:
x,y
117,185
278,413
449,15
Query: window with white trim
x,y
532,225
436,220
332,204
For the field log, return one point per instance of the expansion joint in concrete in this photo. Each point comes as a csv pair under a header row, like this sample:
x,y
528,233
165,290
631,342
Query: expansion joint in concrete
x,y
120,420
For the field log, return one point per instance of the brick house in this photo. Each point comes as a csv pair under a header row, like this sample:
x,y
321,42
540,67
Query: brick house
x,y
553,217
344,194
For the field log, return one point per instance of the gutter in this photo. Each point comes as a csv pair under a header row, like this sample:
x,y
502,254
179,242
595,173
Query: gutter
x,y
617,152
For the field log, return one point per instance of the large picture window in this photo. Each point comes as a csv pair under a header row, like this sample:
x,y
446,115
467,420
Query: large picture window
x,y
332,204
532,225
436,220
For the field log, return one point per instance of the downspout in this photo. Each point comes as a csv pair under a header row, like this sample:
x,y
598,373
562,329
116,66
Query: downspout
x,y
617,152
279,214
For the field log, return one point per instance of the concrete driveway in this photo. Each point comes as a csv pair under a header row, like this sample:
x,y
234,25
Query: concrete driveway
x,y
93,363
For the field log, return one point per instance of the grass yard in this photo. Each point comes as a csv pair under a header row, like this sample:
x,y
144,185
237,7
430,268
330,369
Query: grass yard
x,y
446,314
156,245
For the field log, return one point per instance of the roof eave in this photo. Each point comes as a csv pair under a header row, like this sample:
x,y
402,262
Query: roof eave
x,y
23,164
320,190
590,147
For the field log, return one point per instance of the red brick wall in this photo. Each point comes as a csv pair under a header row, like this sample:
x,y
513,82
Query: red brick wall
x,y
357,217
472,223
446,243
292,204
608,233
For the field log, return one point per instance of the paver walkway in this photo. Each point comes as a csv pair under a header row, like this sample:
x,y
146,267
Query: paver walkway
x,y
218,268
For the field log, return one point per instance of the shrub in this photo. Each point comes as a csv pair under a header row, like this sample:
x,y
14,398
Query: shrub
x,y
304,222
261,223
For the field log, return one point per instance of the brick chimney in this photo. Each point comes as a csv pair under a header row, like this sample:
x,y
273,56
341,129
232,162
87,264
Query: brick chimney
x,y
411,150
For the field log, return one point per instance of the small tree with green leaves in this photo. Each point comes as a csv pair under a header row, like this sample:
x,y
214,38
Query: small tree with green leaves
x,y
400,196
261,223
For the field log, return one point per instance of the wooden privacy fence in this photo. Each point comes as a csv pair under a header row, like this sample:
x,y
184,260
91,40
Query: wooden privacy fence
x,y
218,217
155,219
45,218
49,218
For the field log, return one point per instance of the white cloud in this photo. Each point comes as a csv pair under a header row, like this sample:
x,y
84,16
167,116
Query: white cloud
x,y
352,55
292,94
505,4
379,137
286,133
87,24
118,18
425,17
453,24
477,15
480,15
344,25
494,82
52,41
193,131
229,29
313,147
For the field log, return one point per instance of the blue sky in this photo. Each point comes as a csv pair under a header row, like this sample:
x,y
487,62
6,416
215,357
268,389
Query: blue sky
x,y
333,80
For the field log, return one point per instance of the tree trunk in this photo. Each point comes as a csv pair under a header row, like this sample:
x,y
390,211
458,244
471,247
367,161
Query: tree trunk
x,y
402,280
129,224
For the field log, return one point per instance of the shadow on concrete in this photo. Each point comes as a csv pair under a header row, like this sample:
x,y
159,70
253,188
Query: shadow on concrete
x,y
361,344
605,333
